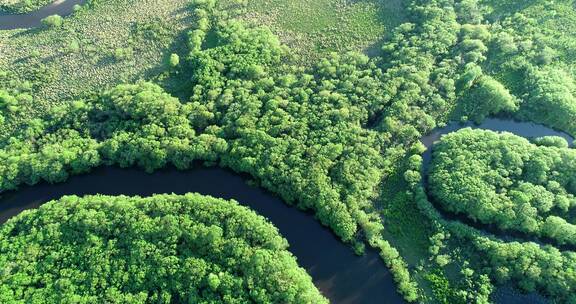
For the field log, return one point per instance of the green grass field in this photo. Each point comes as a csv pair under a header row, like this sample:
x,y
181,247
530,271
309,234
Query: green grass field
x,y
317,27
93,50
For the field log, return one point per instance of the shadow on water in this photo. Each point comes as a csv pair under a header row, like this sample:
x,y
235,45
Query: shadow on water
x,y
340,275
34,19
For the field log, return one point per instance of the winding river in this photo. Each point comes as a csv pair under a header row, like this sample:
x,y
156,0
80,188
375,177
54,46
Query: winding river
x,y
504,295
34,19
524,129
340,275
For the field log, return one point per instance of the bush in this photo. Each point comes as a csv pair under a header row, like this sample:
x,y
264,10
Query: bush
x,y
174,60
53,21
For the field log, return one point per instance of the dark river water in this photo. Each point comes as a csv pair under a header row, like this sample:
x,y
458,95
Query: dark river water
x,y
505,295
524,129
340,275
34,19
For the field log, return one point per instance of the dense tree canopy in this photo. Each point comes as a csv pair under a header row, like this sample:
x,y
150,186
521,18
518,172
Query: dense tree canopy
x,y
300,131
330,136
505,180
160,249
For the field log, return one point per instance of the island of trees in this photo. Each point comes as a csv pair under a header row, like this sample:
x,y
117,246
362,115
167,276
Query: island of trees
x,y
159,249
505,180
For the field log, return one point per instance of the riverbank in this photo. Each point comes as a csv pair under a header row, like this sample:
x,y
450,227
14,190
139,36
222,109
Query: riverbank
x,y
340,275
34,19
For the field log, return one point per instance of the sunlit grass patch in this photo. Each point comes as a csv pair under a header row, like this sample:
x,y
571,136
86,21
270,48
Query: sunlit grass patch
x,y
116,41
314,28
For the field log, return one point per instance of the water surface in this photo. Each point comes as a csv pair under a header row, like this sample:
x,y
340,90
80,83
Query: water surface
x,y
34,19
524,129
504,295
340,275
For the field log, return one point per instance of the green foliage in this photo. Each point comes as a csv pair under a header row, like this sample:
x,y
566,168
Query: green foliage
x,y
443,292
300,136
528,265
551,141
161,249
486,98
505,180
533,56
174,60
551,99
8,102
57,72
53,21
327,132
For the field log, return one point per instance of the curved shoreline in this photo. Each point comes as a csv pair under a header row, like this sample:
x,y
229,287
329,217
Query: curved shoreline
x,y
337,272
34,19
523,129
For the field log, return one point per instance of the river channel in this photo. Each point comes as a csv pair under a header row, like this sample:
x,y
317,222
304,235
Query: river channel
x,y
34,19
339,274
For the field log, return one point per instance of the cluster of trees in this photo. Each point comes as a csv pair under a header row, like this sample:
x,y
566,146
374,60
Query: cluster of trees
x,y
300,131
129,125
322,137
530,266
160,249
487,97
505,180
551,98
433,68
523,57
53,21
8,105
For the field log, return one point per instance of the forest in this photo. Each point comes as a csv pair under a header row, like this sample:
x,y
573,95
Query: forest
x,y
337,135
159,249
505,180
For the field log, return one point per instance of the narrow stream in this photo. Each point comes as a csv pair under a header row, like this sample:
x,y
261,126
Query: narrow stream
x,y
34,19
506,294
524,129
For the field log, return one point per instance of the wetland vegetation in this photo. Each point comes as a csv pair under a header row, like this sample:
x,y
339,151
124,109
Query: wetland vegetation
x,y
324,103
